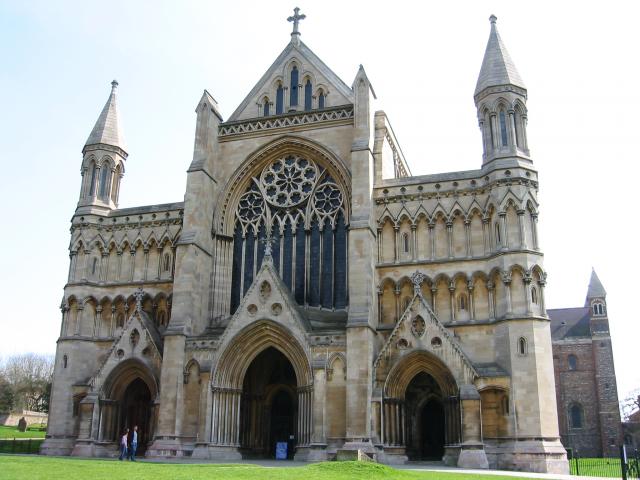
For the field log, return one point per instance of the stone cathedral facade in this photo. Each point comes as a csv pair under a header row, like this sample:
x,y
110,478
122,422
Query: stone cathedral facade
x,y
310,290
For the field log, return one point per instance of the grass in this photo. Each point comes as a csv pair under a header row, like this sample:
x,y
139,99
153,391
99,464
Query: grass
x,y
59,468
596,467
13,432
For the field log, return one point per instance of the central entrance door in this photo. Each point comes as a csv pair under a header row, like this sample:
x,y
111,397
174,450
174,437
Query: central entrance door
x,y
425,419
268,406
136,410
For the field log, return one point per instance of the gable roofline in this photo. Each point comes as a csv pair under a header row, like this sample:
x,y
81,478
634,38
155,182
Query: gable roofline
x,y
308,55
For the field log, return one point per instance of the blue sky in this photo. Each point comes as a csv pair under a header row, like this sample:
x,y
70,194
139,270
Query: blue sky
x,y
579,62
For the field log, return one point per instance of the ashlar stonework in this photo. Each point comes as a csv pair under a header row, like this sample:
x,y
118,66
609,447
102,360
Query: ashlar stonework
x,y
310,290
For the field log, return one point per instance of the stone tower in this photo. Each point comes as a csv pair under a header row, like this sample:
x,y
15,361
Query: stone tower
x,y
104,156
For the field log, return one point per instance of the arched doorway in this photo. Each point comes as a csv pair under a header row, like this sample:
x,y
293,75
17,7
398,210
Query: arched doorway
x,y
421,408
425,419
128,399
268,406
135,409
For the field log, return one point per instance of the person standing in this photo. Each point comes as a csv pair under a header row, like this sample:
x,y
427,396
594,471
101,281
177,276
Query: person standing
x,y
134,444
123,444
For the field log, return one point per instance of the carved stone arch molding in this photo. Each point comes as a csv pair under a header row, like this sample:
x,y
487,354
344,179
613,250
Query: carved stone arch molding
x,y
242,178
238,353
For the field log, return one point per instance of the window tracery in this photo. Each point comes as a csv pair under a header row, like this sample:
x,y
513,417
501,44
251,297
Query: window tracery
x,y
296,205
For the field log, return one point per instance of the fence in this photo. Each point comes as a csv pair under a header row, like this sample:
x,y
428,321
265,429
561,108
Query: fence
x,y
21,445
626,466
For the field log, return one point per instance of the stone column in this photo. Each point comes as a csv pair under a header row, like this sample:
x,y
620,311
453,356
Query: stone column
x,y
467,231
512,130
132,251
432,238
112,326
396,291
396,244
434,291
65,320
523,241
542,282
485,235
491,292
472,306
414,243
159,273
85,265
534,230
73,257
527,292
494,129
472,454
79,319
449,238
97,320
119,266
452,300
146,262
380,245
503,227
506,280
104,266
318,439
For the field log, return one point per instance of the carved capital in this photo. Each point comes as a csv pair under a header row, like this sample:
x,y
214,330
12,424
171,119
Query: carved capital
x,y
506,278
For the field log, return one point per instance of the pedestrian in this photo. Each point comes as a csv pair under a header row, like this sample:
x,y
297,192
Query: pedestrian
x,y
134,444
123,444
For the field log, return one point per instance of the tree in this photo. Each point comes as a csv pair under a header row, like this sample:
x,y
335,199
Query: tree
x,y
630,404
7,397
29,376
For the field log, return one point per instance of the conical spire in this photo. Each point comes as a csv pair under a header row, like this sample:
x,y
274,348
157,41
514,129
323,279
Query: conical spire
x,y
497,67
595,286
107,129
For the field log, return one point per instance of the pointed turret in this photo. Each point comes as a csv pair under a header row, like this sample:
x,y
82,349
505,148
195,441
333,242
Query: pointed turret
x,y
500,97
595,290
107,129
497,69
104,154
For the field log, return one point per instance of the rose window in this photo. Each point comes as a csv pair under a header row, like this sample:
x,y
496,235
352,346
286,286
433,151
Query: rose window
x,y
289,181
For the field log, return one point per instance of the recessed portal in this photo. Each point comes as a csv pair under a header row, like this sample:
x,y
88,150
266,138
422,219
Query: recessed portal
x,y
269,406
135,409
425,419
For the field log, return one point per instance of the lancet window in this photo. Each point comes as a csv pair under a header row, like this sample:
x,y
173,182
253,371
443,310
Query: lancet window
x,y
307,95
298,207
279,99
105,181
294,87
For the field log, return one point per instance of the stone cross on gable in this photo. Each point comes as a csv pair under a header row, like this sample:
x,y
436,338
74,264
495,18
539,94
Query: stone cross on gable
x,y
139,295
417,278
295,18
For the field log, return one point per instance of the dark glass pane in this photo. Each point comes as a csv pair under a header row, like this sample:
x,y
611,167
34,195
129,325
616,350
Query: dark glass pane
x,y
279,100
300,262
275,247
503,128
287,256
340,285
321,100
261,244
327,266
314,266
236,268
249,243
265,110
294,86
307,95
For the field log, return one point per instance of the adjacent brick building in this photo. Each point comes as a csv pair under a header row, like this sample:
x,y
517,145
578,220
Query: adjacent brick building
x,y
586,389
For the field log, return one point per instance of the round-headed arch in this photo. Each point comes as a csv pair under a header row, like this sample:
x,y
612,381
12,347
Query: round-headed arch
x,y
416,362
247,344
239,181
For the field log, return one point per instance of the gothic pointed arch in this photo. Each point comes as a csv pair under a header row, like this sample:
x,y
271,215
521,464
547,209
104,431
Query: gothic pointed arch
x,y
247,344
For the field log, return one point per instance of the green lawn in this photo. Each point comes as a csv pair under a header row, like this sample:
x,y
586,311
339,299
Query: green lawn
x,y
57,468
12,432
596,467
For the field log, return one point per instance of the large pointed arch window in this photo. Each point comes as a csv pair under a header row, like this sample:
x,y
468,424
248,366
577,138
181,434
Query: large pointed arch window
x,y
303,208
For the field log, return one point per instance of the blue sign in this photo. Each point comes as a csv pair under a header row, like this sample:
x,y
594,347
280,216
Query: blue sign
x,y
281,450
